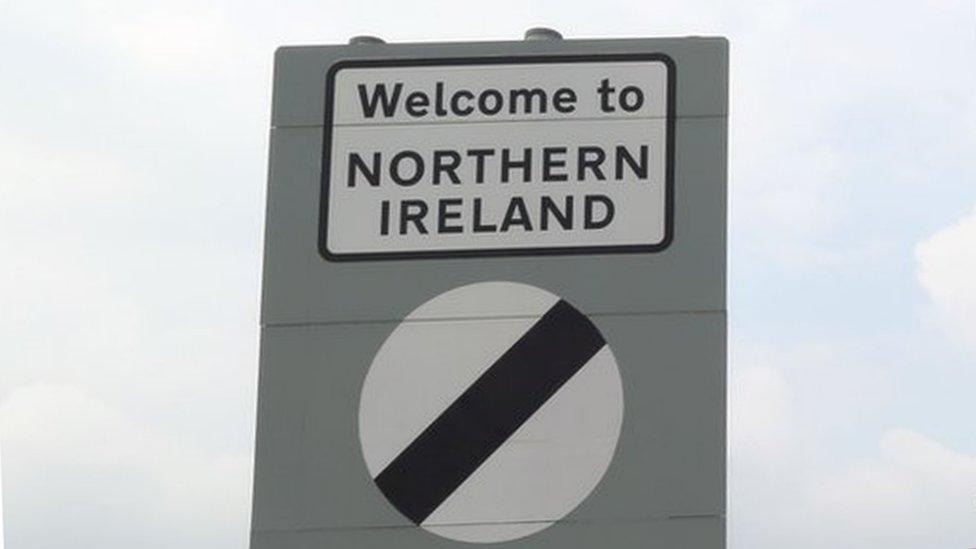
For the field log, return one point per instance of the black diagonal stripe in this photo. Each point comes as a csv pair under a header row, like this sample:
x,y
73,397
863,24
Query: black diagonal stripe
x,y
456,443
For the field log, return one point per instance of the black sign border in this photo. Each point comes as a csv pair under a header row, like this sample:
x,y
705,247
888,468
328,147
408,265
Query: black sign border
x,y
498,252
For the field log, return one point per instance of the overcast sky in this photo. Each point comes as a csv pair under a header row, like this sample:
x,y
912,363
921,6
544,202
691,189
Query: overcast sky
x,y
133,150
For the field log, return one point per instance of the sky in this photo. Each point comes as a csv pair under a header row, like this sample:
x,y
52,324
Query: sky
x,y
133,161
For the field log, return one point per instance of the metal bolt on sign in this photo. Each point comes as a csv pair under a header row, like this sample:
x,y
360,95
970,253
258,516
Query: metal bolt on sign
x,y
366,39
542,33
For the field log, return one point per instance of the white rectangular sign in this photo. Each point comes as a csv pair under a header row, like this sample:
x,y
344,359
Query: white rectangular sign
x,y
497,156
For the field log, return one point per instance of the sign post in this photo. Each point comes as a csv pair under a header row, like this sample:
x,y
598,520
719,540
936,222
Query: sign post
x,y
494,302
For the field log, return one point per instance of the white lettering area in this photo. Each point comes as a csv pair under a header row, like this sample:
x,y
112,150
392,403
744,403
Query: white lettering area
x,y
547,157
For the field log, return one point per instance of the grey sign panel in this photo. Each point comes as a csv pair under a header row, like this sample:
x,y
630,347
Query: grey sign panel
x,y
299,93
691,532
422,387
691,269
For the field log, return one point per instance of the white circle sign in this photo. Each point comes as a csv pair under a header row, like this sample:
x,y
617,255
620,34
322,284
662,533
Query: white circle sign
x,y
482,427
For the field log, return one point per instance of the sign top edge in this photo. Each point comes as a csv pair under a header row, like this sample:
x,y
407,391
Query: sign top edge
x,y
529,45
299,70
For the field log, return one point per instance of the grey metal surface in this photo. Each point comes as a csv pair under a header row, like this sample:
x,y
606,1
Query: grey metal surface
x,y
663,314
669,460
300,287
674,533
300,70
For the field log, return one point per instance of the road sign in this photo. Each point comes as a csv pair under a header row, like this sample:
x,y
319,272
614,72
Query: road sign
x,y
451,414
496,155
494,299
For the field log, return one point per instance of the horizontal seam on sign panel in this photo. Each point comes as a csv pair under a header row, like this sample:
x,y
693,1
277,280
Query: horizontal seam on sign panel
x,y
659,518
511,121
413,125
692,516
484,317
448,66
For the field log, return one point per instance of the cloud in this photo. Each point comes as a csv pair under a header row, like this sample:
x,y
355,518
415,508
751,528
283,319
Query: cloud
x,y
84,474
790,487
762,416
915,492
840,128
946,269
2,537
